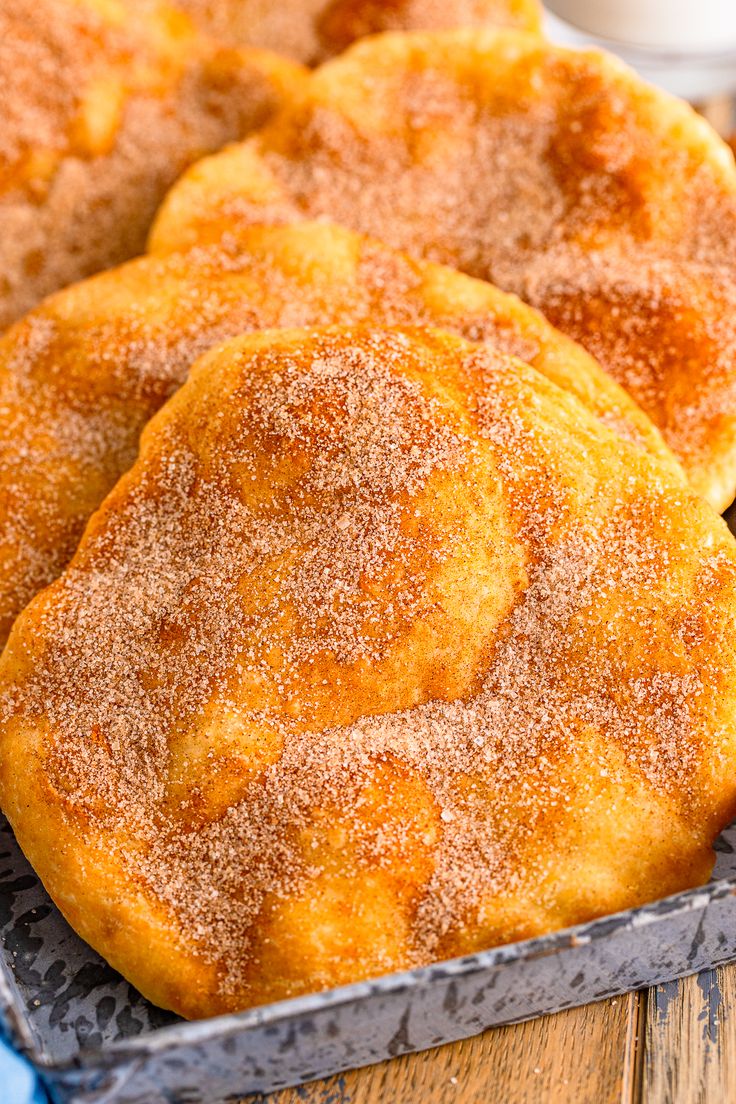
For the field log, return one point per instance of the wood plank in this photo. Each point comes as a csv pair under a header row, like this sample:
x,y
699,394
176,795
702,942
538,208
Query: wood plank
x,y
691,1040
585,1054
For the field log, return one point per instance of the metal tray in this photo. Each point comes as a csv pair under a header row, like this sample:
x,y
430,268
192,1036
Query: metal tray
x,y
95,1039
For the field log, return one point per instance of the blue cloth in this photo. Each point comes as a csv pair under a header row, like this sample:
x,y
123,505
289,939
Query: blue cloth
x,y
19,1082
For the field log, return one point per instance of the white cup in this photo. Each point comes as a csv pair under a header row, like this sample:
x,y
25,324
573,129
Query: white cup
x,y
701,26
685,46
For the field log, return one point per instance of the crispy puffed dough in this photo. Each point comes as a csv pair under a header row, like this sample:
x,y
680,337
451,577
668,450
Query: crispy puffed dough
x,y
312,30
82,374
385,650
557,174
104,104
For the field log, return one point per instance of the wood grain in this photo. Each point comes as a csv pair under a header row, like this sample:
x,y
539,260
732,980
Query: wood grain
x,y
690,1046
586,1055
675,1044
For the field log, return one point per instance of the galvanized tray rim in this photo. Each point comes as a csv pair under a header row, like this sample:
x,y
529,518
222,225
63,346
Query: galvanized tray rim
x,y
186,1033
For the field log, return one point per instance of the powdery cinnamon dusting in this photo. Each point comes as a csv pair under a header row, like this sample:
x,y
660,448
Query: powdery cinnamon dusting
x,y
227,572
68,209
94,365
520,177
312,30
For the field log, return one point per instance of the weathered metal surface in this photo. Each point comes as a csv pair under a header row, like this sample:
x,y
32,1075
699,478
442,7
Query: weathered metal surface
x,y
97,1040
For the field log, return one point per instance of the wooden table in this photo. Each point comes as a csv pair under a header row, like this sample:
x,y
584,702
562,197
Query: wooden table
x,y
675,1044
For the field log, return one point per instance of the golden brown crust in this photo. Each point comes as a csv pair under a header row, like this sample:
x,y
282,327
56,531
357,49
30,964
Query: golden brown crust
x,y
557,174
385,650
313,30
82,374
103,107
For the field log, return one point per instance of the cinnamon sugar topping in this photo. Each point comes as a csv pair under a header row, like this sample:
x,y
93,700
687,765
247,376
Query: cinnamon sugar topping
x,y
81,376
247,669
556,174
104,106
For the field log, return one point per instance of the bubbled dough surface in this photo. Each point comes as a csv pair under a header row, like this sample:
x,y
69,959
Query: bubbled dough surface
x,y
82,374
104,105
384,650
557,174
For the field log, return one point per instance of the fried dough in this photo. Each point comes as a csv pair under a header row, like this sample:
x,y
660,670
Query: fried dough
x,y
313,30
384,651
557,174
81,375
104,104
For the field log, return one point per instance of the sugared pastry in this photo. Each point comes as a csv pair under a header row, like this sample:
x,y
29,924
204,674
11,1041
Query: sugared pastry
x,y
104,104
313,30
385,650
82,374
557,174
